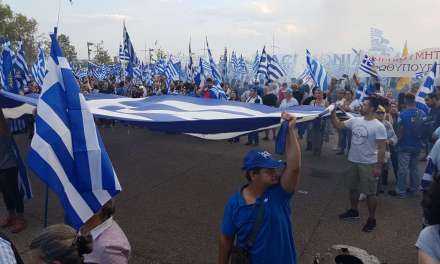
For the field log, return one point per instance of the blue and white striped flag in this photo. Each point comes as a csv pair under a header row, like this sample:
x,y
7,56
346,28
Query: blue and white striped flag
x,y
274,69
39,68
204,67
241,67
262,66
214,71
419,75
24,185
426,88
20,66
256,64
234,62
368,66
67,152
317,71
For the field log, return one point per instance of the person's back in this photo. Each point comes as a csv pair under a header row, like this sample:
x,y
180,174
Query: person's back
x,y
410,121
110,244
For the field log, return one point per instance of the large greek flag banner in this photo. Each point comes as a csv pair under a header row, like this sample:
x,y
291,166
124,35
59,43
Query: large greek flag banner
x,y
66,151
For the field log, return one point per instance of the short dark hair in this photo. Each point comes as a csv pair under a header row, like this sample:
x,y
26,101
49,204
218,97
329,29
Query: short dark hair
x,y
431,203
410,98
374,101
248,173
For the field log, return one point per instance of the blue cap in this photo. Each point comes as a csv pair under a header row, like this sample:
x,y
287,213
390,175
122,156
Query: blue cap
x,y
257,158
289,90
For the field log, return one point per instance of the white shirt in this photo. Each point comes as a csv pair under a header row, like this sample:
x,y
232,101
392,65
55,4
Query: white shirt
x,y
363,140
285,104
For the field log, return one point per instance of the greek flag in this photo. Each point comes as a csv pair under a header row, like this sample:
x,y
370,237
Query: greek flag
x,y
21,65
274,69
67,152
159,67
217,92
262,66
39,68
419,75
368,66
24,185
317,71
234,62
122,55
214,71
7,64
256,64
190,70
426,88
241,68
171,72
224,64
205,68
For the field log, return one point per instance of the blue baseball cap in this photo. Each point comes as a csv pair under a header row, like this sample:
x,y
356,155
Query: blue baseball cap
x,y
257,158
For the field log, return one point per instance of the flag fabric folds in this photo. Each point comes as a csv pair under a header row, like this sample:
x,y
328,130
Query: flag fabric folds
x,y
207,118
317,71
67,152
426,88
274,69
262,66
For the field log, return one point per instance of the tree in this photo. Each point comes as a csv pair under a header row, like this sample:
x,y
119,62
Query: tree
x,y
102,56
68,49
15,27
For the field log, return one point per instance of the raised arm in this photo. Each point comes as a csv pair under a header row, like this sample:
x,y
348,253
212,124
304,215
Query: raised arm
x,y
290,177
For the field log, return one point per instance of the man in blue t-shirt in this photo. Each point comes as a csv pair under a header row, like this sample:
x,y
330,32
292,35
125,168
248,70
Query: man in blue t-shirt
x,y
274,238
410,126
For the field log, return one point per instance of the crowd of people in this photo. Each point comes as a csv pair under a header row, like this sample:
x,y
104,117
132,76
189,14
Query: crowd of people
x,y
381,132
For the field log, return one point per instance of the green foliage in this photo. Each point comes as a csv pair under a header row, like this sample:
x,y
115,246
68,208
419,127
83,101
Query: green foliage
x,y
16,26
102,56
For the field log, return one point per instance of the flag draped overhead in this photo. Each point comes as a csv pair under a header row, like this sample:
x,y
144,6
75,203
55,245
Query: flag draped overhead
x,y
214,119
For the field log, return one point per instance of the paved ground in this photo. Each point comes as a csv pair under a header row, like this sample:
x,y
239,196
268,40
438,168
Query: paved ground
x,y
175,188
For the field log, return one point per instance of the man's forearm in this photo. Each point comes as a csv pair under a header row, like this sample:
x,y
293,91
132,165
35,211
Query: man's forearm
x,y
293,151
224,252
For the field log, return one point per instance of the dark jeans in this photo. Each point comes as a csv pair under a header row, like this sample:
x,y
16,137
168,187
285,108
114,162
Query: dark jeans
x,y
9,188
345,141
253,138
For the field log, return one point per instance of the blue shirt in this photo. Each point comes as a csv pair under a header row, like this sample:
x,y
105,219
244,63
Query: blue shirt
x,y
274,243
410,137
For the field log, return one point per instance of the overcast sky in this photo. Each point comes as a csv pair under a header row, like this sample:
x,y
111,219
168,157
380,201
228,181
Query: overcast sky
x,y
241,25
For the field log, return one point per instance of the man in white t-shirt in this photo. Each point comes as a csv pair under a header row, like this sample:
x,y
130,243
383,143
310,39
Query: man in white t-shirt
x,y
366,156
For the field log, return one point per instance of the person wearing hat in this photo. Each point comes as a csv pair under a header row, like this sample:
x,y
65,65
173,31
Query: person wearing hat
x,y
288,101
262,207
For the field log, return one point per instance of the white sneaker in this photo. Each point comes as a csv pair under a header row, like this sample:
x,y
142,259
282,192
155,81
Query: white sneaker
x,y
362,197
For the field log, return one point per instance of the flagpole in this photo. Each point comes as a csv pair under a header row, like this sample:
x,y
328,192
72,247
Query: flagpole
x,y
46,205
59,12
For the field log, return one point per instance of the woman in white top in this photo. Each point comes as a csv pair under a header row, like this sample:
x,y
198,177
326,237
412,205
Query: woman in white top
x,y
289,101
